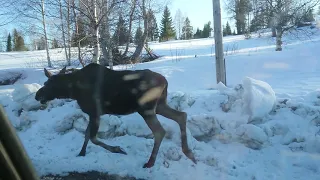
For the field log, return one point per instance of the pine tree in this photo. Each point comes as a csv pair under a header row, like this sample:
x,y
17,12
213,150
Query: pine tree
x,y
206,30
187,29
228,29
55,43
81,36
224,30
197,34
20,44
138,35
167,29
153,32
9,43
121,34
18,41
15,39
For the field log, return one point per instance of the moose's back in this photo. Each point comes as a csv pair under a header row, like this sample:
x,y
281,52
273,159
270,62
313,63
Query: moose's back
x,y
118,92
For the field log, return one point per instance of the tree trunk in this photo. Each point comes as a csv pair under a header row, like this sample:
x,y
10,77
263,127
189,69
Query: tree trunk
x,y
105,39
110,57
45,33
274,33
77,33
62,28
279,39
130,27
96,51
69,36
140,46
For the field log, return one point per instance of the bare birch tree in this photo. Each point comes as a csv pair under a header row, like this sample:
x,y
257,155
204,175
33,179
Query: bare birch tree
x,y
286,15
63,33
179,19
34,12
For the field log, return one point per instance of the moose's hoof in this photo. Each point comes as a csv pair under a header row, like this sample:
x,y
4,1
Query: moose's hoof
x,y
190,155
148,165
81,154
118,149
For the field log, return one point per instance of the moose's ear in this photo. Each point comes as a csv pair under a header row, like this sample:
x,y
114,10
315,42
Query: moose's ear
x,y
47,73
63,70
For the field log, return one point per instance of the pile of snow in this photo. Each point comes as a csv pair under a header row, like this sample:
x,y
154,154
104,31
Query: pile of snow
x,y
24,94
10,77
258,98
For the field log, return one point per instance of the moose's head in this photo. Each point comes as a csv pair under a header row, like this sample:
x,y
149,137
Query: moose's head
x,y
54,87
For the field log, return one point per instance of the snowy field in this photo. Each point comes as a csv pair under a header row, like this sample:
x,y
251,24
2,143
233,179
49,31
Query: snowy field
x,y
265,125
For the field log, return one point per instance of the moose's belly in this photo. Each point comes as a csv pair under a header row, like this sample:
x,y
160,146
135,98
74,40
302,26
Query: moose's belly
x,y
120,105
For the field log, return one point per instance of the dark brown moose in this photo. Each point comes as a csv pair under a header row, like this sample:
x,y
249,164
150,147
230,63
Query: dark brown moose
x,y
99,90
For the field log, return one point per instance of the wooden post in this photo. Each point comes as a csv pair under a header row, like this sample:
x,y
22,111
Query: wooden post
x,y
220,63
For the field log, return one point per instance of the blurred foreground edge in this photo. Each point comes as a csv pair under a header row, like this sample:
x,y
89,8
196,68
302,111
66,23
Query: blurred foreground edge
x,y
14,161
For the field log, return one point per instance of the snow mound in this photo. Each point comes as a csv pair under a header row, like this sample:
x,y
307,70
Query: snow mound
x,y
23,95
251,135
258,98
180,100
203,127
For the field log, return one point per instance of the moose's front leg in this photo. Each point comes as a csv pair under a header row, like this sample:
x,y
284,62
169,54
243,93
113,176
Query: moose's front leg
x,y
94,123
85,143
158,133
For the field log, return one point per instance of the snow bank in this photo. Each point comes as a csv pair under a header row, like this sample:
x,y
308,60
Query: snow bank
x,y
10,77
251,135
258,98
23,95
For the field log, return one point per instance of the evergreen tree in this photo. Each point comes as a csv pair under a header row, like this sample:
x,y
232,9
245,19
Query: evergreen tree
x,y
153,32
228,29
20,46
198,33
15,39
187,29
234,32
55,43
138,35
18,41
206,30
81,36
121,34
9,43
167,29
224,31
41,43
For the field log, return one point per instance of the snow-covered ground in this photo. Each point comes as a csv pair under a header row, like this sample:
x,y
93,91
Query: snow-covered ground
x,y
264,125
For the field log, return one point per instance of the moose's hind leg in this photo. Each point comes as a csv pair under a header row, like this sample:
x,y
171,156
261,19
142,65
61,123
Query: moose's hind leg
x,y
158,133
94,127
181,118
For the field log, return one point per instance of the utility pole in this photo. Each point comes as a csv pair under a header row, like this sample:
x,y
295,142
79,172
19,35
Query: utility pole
x,y
220,63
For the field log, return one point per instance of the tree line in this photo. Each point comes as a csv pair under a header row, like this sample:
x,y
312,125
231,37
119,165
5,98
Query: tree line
x,y
102,26
279,15
99,27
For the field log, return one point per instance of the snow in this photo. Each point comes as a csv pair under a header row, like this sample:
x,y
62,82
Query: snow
x,y
259,98
265,124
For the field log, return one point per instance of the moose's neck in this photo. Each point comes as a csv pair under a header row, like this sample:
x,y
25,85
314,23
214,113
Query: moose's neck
x,y
67,87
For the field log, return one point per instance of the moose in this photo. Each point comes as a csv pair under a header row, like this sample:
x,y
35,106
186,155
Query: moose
x,y
99,90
